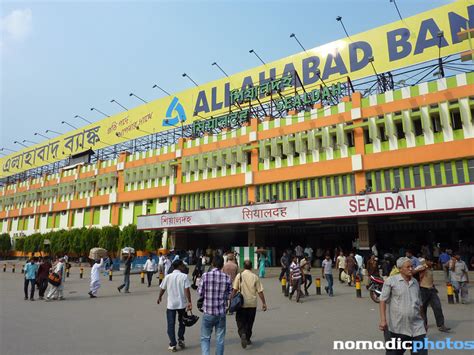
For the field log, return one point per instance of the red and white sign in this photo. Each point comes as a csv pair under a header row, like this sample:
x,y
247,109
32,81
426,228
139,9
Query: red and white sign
x,y
424,200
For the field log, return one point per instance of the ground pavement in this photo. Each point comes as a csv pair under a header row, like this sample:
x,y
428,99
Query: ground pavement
x,y
133,323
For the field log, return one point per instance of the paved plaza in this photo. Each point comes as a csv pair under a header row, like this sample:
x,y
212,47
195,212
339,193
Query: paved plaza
x,y
134,324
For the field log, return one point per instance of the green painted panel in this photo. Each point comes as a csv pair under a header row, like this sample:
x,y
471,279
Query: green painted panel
x,y
137,211
87,217
96,217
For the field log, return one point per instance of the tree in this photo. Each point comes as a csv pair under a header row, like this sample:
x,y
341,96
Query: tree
x,y
89,239
20,244
109,237
130,236
5,244
153,241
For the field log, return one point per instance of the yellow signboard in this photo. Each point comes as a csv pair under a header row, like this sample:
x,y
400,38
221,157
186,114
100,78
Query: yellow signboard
x,y
396,45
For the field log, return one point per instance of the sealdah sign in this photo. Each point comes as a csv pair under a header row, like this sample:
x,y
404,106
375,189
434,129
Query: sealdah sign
x,y
380,204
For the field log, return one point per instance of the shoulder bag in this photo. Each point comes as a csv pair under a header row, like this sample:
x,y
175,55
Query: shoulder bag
x,y
237,301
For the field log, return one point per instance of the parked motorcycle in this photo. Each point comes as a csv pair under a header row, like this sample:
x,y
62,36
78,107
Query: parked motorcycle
x,y
375,288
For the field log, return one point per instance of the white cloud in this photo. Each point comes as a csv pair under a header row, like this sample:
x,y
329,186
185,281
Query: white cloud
x,y
17,25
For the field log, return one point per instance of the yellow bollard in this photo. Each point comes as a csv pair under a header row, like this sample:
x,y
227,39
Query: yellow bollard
x,y
142,276
318,286
13,267
450,291
67,272
283,284
110,275
4,267
81,272
358,290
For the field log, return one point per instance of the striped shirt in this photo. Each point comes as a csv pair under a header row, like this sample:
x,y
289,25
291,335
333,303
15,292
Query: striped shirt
x,y
215,287
295,271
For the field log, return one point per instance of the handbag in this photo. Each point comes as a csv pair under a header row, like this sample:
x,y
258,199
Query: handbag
x,y
54,279
237,301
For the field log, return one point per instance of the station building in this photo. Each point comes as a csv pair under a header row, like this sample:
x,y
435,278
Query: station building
x,y
345,159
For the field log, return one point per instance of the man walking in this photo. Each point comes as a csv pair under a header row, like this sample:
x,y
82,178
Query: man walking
x,y
126,274
341,265
95,278
249,286
400,294
179,300
459,278
31,270
43,273
150,269
429,295
230,267
306,268
284,262
351,265
327,274
295,278
215,290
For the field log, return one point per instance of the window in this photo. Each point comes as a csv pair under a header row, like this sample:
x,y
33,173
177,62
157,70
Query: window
x,y
416,176
336,185
386,176
378,181
470,169
396,177
437,171
366,136
406,177
399,130
456,120
383,136
427,175
460,172
435,122
328,186
417,127
320,184
449,173
313,188
344,185
350,138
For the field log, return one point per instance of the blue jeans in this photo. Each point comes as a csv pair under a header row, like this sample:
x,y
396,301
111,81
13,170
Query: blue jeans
x,y
330,282
126,282
208,322
171,320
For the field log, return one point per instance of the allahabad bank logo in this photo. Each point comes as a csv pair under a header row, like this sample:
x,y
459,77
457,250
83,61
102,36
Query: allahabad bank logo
x,y
174,114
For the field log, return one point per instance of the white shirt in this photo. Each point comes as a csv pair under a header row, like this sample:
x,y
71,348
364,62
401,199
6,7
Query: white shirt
x,y
150,265
309,251
95,271
167,264
175,283
374,250
342,261
360,260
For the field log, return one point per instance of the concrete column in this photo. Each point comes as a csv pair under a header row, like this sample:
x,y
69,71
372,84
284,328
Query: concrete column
x,y
254,239
366,235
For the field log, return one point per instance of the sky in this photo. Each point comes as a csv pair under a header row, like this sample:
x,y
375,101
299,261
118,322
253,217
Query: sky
x,y
59,58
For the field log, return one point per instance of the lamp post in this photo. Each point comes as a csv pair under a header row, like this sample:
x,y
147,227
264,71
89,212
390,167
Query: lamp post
x,y
94,109
70,125
118,103
42,135
166,92
184,75
222,70
339,19
294,36
49,130
82,118
26,140
252,51
139,98
16,142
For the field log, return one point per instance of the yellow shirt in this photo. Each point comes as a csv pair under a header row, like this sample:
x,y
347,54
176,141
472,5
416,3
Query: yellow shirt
x,y
394,271
249,289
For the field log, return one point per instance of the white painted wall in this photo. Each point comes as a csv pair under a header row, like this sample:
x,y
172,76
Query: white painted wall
x,y
78,218
43,223
127,214
63,218
105,216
